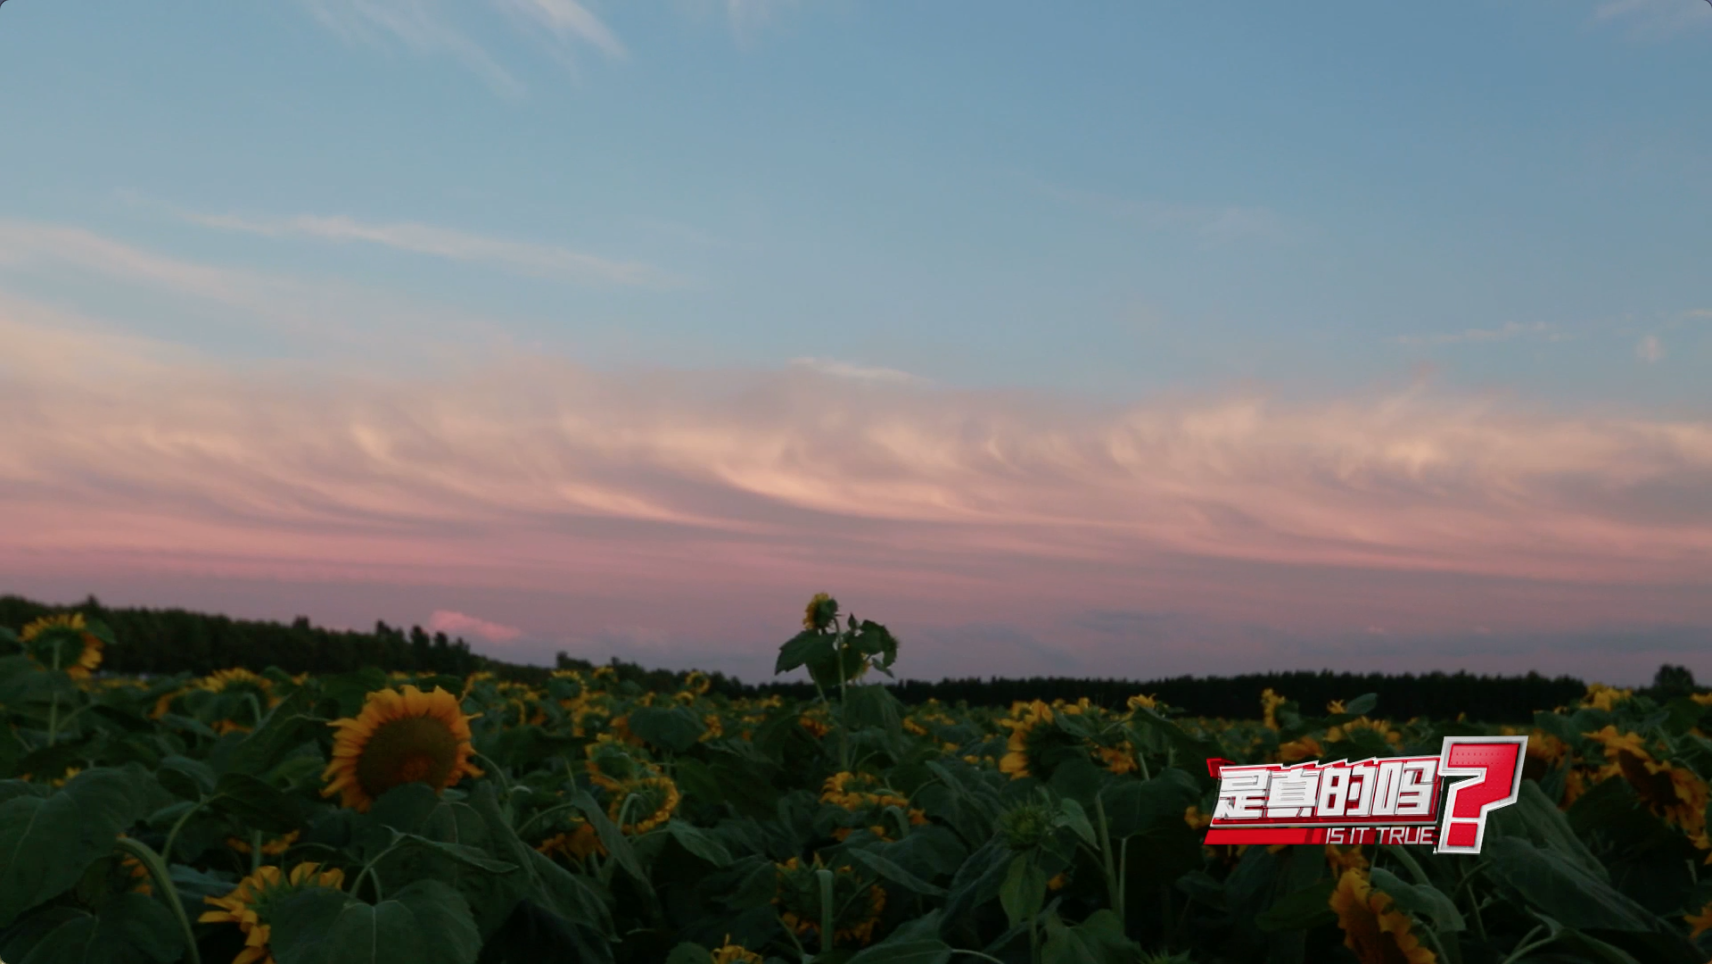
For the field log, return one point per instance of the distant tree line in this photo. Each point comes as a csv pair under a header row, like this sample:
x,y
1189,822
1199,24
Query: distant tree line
x,y
165,641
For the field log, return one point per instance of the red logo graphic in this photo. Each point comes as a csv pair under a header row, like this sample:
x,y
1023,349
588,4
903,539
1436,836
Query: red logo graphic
x,y
1392,800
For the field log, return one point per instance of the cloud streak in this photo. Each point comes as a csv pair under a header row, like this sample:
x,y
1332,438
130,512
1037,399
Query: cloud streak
x,y
540,260
430,28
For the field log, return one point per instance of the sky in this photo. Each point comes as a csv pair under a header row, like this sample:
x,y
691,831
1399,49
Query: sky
x,y
1118,339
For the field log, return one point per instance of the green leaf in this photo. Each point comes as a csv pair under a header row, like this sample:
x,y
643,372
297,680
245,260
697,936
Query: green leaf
x,y
610,836
46,843
1133,806
688,953
1098,939
131,929
286,727
1361,705
1302,910
1073,816
1557,885
1024,891
801,649
425,922
896,874
1536,819
917,951
1423,900
186,778
468,856
255,803
699,842
872,705
675,728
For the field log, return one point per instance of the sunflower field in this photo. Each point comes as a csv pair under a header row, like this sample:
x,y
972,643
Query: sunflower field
x,y
265,818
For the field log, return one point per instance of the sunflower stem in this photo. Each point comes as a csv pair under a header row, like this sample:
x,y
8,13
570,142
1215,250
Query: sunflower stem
x,y
156,867
369,871
824,877
53,713
172,835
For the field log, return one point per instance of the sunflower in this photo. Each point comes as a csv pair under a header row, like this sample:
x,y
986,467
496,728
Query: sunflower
x,y
1673,793
248,905
1335,708
1701,922
816,728
1269,704
578,843
729,953
858,904
239,683
820,612
1340,859
658,798
611,763
1196,820
271,848
1143,702
1118,759
1602,697
697,682
399,737
1035,745
1372,929
1307,748
63,642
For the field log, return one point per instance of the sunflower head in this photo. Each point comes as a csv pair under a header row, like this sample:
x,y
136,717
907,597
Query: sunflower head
x,y
1140,702
613,762
576,843
401,736
859,903
638,806
697,682
65,642
1025,827
820,613
1307,748
251,902
1376,933
1036,746
1269,704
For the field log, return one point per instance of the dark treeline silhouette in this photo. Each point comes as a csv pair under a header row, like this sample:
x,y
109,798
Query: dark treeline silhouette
x,y
166,641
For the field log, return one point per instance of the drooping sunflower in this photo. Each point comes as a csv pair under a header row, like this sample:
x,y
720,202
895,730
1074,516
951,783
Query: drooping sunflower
x,y
1118,759
1376,932
576,843
236,684
63,642
655,798
697,682
399,737
1036,746
1675,794
859,903
1307,748
248,905
612,763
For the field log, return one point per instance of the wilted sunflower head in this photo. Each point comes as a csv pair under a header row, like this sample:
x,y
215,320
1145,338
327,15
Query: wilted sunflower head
x,y
820,612
612,762
64,642
251,902
859,902
640,805
399,737
1372,929
697,682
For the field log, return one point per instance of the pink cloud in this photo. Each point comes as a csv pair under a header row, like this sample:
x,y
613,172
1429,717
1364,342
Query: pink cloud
x,y
648,501
454,623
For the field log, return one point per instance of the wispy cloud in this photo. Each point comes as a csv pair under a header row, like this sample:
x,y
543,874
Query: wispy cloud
x,y
1656,19
1509,331
541,260
838,369
1212,224
432,28
454,623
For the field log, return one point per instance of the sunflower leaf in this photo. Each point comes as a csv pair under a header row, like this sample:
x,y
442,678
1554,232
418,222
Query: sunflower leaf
x,y
425,922
131,929
46,843
610,836
256,803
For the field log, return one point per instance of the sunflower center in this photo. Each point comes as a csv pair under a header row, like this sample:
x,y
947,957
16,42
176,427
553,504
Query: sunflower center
x,y
417,749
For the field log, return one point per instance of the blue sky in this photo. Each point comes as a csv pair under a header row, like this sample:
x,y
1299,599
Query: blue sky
x,y
1015,212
